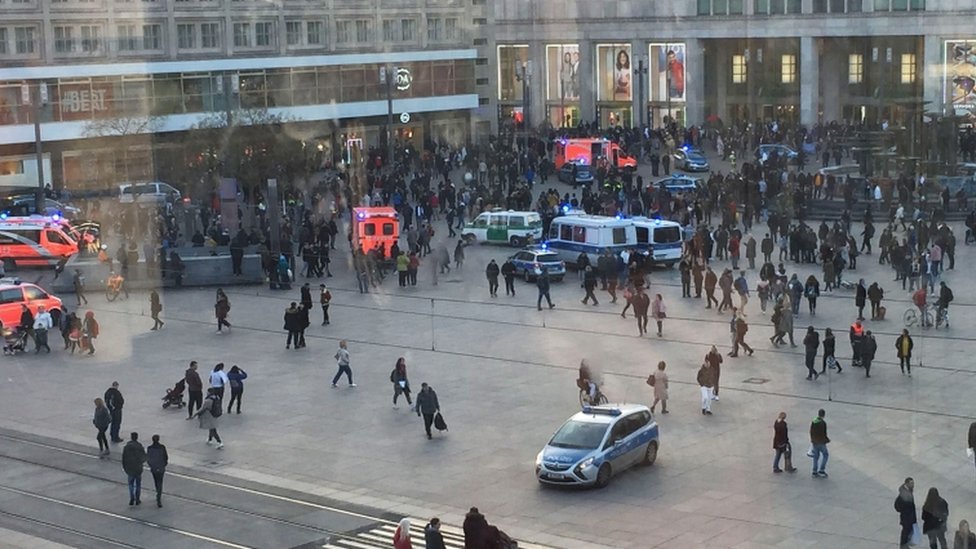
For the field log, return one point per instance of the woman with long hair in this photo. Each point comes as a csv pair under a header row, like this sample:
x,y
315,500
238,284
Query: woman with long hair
x,y
935,514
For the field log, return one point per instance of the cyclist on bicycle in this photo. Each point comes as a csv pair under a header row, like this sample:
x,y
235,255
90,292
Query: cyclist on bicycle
x,y
942,305
920,299
588,382
116,284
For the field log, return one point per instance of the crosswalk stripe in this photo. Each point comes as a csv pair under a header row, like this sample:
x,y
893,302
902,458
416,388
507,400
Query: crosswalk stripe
x,y
382,537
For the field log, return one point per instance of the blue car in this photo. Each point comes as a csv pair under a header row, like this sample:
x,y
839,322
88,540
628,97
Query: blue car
x,y
690,160
598,443
530,262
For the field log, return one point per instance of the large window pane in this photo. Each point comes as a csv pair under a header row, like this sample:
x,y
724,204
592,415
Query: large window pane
x,y
704,7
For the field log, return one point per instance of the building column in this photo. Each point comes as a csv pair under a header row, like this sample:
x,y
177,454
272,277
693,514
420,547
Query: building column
x,y
537,83
932,73
809,81
638,81
695,81
587,80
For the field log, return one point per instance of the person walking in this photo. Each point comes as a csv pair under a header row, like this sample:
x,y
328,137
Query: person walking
x,y
491,272
292,320
875,295
711,280
194,388
935,516
705,383
114,403
209,415
829,347
342,360
904,346
401,536
325,299
641,303
428,406
589,284
401,385
659,311
133,456
725,283
459,254
508,272
860,298
78,281
155,307
868,348
542,283
907,516
42,323
714,360
781,444
741,328
305,295
811,343
221,310
812,291
659,380
741,286
219,380
89,332
819,441
235,378
157,459
433,539
964,538
102,421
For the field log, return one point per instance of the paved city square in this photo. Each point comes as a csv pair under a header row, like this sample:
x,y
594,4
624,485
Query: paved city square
x,y
505,376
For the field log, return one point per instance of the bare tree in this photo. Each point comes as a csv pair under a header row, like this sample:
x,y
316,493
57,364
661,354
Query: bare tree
x,y
123,126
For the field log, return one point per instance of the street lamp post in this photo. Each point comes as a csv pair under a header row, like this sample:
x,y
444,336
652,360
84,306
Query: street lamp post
x,y
523,73
387,77
36,98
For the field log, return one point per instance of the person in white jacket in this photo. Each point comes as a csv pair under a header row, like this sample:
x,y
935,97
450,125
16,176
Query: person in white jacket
x,y
42,323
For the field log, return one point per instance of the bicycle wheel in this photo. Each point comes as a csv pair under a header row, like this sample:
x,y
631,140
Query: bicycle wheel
x,y
911,317
601,399
929,320
111,294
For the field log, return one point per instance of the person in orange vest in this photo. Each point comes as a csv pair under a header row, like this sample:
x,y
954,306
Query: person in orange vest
x,y
857,338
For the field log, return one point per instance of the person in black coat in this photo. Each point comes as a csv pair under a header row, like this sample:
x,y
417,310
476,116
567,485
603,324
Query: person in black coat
x,y
103,418
868,348
475,530
427,405
133,456
860,298
292,323
433,539
157,458
904,346
508,271
303,323
114,402
811,343
492,271
905,505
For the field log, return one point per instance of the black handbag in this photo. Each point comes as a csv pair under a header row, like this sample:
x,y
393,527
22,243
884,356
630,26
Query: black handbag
x,y
439,422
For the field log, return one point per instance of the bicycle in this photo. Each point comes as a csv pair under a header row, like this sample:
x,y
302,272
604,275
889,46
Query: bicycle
x,y
913,316
115,286
942,317
584,398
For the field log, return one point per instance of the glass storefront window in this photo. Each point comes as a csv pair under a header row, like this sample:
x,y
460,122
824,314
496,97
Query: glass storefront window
x,y
353,82
328,85
253,91
279,88
167,94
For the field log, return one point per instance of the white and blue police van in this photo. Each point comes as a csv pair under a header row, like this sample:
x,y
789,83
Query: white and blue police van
x,y
660,239
570,235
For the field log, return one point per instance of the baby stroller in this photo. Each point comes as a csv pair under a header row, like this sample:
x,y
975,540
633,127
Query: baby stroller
x,y
174,396
14,341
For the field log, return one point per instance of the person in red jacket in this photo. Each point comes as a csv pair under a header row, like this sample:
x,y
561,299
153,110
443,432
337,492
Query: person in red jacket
x,y
401,538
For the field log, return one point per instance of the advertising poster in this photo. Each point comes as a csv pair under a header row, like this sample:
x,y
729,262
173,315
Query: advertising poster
x,y
667,72
510,57
960,76
562,72
614,72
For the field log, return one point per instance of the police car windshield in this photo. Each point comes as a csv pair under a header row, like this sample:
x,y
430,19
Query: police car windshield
x,y
579,434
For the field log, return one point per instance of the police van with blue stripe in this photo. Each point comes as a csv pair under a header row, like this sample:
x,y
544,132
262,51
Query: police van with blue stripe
x,y
572,234
598,443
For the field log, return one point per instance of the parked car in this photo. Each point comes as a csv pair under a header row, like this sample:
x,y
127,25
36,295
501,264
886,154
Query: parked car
x,y
764,151
598,443
153,192
530,262
680,183
14,293
690,159
576,173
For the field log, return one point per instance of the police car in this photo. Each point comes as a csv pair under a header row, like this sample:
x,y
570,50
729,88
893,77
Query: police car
x,y
530,262
597,443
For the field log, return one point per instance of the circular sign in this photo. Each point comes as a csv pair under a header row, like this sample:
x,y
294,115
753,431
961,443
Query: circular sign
x,y
403,78
404,117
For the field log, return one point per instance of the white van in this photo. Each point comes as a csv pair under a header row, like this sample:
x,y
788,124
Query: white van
x,y
660,239
504,227
571,234
151,192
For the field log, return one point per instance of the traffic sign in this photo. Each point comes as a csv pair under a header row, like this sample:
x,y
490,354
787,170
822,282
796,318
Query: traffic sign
x,y
404,117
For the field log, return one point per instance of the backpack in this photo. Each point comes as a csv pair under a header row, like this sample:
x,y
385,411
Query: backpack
x,y
393,375
216,410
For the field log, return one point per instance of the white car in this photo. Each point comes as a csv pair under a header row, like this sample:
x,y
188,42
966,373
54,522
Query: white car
x,y
598,443
151,192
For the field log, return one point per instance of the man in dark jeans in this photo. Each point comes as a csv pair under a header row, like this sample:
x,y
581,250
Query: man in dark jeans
x,y
194,386
114,402
427,406
542,282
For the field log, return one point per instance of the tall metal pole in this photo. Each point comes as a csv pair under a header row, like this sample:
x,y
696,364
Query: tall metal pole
x,y
390,69
640,89
668,90
38,145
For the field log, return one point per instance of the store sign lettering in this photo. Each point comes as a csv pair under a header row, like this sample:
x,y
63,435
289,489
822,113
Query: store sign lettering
x,y
78,101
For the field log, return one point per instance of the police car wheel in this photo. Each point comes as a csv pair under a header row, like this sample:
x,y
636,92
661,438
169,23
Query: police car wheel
x,y
603,476
650,454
